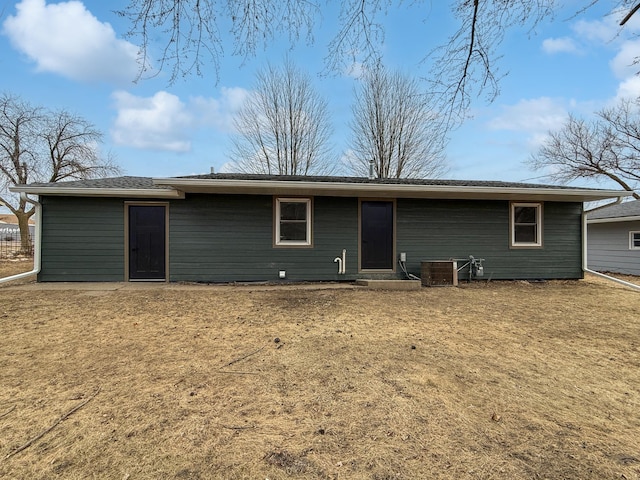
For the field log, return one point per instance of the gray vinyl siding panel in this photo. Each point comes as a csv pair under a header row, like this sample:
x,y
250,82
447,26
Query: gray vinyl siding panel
x,y
82,239
230,238
444,229
608,248
226,238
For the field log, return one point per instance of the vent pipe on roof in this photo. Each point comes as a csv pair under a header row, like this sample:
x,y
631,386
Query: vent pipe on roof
x,y
372,174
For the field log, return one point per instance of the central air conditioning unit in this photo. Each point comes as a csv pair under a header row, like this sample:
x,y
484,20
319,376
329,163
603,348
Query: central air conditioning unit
x,y
439,273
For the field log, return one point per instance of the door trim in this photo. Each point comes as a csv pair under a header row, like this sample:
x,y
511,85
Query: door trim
x,y
381,270
166,239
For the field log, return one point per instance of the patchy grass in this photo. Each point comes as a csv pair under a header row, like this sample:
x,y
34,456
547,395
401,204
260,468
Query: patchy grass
x,y
505,380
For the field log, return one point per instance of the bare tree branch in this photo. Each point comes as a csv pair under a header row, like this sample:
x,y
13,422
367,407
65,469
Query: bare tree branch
x,y
37,145
284,127
629,15
605,148
395,126
463,66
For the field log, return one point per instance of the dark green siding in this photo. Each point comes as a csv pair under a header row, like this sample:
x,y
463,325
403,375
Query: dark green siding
x,y
230,238
444,229
82,239
223,238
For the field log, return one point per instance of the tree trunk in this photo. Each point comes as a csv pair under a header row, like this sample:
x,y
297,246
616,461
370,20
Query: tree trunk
x,y
26,244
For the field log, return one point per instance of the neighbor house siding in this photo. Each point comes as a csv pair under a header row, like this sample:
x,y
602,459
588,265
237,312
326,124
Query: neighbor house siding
x,y
444,229
221,238
82,239
608,249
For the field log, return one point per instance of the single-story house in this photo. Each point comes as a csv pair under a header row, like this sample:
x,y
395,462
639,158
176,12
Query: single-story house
x,y
239,227
614,238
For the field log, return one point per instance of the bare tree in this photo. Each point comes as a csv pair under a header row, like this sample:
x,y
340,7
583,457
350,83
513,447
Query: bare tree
x,y
607,147
38,145
283,128
395,126
465,65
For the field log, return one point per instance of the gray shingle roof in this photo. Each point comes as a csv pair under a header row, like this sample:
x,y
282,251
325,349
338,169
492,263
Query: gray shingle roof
x,y
626,209
375,181
114,182
177,187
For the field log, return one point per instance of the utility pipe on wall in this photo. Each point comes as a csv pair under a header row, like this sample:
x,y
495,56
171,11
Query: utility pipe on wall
x,y
342,262
585,267
36,247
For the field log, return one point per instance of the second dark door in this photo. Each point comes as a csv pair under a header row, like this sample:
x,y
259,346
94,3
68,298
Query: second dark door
x,y
376,235
147,235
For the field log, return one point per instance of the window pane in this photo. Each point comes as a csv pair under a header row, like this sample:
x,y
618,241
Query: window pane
x,y
525,234
293,231
525,215
293,210
636,240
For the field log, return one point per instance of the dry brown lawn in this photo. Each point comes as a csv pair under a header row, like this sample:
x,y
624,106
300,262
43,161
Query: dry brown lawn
x,y
15,266
488,381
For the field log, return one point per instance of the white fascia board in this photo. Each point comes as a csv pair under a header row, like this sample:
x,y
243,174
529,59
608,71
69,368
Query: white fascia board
x,y
280,187
615,219
99,192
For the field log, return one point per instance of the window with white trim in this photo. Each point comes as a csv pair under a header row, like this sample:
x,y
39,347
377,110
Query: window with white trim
x,y
634,240
526,224
293,222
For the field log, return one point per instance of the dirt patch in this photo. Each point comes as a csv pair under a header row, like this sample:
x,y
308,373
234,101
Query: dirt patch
x,y
13,267
491,381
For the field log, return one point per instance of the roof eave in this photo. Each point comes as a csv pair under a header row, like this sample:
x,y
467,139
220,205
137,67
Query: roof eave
x,y
632,218
99,192
284,187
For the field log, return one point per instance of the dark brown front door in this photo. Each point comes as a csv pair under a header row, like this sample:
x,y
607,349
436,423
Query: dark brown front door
x,y
376,235
147,234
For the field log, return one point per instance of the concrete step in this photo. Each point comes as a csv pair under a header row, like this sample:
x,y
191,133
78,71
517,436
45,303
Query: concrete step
x,y
389,284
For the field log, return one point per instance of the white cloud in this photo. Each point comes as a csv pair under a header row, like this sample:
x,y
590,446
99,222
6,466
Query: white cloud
x,y
534,116
629,89
65,38
355,70
219,112
165,122
599,31
560,45
160,122
623,63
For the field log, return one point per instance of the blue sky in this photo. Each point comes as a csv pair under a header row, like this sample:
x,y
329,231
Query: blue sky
x,y
73,55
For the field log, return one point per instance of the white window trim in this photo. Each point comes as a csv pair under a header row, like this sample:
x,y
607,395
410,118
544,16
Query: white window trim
x,y
292,243
631,245
538,242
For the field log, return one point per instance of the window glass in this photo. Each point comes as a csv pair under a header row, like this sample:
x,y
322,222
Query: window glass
x,y
293,223
525,224
293,231
525,234
525,215
293,211
635,240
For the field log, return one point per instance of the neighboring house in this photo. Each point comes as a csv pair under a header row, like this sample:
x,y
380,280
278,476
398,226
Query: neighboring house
x,y
614,239
9,229
227,227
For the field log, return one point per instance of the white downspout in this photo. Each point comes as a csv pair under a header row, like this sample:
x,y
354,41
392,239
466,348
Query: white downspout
x,y
585,267
36,247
